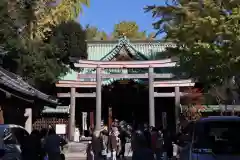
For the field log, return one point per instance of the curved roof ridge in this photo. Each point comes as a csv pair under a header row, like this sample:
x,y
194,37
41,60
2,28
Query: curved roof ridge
x,y
121,42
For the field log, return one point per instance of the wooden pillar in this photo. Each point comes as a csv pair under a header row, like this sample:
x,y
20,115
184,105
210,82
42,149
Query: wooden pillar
x,y
72,114
28,123
151,96
98,99
92,119
177,107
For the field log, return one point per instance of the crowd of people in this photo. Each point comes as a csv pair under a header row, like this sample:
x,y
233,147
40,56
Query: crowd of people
x,y
147,143
43,145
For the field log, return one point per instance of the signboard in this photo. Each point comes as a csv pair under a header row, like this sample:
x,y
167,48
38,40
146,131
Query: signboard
x,y
60,128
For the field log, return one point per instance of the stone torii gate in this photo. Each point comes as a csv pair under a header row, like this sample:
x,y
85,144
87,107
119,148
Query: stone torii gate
x,y
101,65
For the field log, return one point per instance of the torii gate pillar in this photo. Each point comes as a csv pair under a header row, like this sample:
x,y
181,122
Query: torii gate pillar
x,y
177,107
98,99
72,114
151,97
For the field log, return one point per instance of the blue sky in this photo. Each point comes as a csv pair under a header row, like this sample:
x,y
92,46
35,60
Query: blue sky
x,y
105,13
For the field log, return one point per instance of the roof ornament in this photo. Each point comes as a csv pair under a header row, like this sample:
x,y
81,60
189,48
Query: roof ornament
x,y
123,40
120,40
126,39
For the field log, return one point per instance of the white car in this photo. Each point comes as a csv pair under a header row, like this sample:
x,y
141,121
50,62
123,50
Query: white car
x,y
12,139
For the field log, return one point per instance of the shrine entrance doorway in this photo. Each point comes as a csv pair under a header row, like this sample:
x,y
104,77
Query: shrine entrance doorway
x,y
128,101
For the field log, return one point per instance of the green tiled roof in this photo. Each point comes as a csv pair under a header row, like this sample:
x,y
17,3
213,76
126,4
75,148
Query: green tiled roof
x,y
106,50
58,109
98,49
124,43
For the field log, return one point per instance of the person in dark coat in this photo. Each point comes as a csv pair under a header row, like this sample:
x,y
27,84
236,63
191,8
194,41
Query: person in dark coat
x,y
53,144
32,147
141,151
147,135
168,144
123,139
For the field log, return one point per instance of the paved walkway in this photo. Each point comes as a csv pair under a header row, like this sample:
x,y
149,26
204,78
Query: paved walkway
x,y
73,156
77,151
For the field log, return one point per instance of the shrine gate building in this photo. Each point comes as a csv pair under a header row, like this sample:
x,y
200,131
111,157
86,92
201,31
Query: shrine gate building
x,y
131,81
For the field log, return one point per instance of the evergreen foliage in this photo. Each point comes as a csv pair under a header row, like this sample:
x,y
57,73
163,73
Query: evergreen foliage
x,y
130,29
38,37
206,34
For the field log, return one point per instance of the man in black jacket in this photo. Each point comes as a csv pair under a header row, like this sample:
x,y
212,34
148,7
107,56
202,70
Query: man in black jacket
x,y
147,135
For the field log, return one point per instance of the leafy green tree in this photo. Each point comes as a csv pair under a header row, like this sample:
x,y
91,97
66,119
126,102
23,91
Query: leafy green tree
x,y
125,28
69,37
101,35
62,11
130,29
37,17
206,34
93,33
38,59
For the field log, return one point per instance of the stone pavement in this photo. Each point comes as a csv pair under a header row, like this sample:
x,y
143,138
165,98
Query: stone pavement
x,y
77,151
